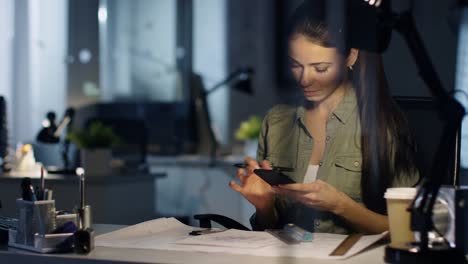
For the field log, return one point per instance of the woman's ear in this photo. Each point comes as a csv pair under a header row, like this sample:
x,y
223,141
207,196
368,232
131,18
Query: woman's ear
x,y
352,57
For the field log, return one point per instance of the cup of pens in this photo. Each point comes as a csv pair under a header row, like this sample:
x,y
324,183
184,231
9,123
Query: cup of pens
x,y
34,217
35,212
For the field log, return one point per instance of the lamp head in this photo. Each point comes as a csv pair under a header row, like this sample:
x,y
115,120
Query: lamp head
x,y
370,24
375,3
244,80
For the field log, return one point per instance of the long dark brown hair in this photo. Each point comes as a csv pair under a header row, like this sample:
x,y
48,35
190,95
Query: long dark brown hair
x,y
387,148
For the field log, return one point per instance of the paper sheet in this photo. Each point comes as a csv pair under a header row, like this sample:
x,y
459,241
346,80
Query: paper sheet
x,y
170,234
232,238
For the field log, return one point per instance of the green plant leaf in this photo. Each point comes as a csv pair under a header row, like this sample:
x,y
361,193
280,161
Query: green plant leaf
x,y
96,136
249,129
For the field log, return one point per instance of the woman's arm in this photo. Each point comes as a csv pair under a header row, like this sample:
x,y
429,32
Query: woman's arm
x,y
322,196
265,219
361,218
258,193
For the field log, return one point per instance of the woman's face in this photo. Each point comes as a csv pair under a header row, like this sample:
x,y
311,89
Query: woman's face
x,y
318,70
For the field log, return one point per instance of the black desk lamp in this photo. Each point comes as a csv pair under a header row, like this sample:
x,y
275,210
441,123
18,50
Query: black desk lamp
x,y
242,81
450,109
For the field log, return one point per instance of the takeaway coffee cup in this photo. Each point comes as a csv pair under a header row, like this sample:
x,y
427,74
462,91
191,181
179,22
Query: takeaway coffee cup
x,y
398,201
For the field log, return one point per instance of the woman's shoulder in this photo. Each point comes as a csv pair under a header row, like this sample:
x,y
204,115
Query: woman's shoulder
x,y
281,112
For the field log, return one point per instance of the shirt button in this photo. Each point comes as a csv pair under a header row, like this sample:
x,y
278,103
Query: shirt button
x,y
333,117
320,163
327,138
317,223
356,164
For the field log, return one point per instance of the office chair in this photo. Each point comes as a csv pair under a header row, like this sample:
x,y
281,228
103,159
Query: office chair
x,y
427,126
205,221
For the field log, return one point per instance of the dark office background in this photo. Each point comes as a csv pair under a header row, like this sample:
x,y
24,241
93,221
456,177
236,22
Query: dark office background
x,y
58,53
251,35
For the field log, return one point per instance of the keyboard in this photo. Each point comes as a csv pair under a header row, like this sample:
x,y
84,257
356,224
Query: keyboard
x,y
5,224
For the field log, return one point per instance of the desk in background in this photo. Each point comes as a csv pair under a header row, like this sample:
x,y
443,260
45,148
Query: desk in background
x,y
117,199
193,186
178,186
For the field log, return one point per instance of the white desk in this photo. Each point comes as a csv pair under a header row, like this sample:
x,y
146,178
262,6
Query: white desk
x,y
113,255
118,255
104,255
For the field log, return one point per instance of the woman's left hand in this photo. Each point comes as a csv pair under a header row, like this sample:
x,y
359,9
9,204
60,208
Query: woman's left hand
x,y
319,195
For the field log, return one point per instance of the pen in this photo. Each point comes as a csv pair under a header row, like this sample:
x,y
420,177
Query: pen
x,y
48,194
276,168
42,189
27,190
204,232
241,165
81,210
32,195
82,190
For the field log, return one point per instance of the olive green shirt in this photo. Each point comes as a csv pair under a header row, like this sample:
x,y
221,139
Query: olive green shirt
x,y
285,142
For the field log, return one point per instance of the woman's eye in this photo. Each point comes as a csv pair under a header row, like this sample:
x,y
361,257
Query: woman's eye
x,y
321,70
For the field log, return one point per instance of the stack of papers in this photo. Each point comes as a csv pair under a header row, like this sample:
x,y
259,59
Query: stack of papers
x,y
170,234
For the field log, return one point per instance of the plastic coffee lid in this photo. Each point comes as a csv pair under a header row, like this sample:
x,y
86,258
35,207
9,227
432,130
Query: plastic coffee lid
x,y
400,193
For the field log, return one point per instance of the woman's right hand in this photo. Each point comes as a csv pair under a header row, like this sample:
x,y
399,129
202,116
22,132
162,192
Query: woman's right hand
x,y
253,188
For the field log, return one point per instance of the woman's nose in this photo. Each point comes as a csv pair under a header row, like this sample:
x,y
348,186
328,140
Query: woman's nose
x,y
306,78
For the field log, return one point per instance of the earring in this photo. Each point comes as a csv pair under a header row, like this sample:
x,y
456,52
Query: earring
x,y
350,67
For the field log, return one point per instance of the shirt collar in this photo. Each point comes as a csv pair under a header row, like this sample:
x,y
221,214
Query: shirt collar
x,y
342,111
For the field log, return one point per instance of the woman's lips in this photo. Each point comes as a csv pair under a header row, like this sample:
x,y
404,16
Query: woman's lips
x,y
310,92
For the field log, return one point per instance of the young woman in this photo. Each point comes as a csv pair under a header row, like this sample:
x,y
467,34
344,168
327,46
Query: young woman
x,y
347,141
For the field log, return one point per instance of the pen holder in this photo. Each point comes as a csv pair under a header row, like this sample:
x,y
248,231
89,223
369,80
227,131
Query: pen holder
x,y
64,218
34,218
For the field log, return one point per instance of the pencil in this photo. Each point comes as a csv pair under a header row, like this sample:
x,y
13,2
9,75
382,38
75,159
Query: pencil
x,y
41,194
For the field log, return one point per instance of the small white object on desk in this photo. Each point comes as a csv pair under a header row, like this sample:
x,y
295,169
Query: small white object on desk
x,y
25,162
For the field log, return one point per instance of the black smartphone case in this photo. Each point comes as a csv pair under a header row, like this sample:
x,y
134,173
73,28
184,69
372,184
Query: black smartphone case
x,y
273,177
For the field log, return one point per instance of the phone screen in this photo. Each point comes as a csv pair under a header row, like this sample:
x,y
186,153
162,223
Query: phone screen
x,y
273,177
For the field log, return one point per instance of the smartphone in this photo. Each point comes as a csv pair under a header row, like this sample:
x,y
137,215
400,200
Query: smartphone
x,y
273,177
245,165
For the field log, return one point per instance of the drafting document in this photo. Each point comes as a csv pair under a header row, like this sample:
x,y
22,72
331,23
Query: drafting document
x,y
170,234
248,242
232,238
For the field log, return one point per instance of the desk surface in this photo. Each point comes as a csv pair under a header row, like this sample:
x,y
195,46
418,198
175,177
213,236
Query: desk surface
x,y
118,255
115,255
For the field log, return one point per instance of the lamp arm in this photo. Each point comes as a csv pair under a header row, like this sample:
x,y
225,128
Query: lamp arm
x,y
223,82
405,25
451,111
202,105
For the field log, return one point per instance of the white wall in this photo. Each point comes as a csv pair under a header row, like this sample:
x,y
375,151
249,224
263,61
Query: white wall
x,y
210,58
39,69
138,50
6,51
462,83
50,70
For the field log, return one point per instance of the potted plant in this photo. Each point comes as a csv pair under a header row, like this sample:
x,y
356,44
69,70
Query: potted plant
x,y
248,132
95,147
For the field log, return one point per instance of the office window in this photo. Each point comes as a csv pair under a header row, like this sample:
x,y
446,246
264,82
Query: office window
x,y
139,51
462,83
